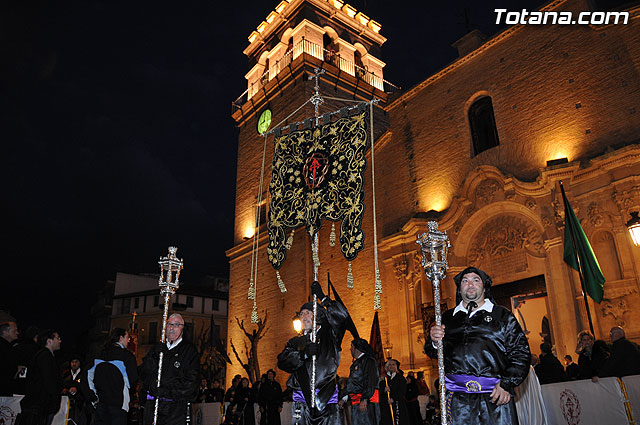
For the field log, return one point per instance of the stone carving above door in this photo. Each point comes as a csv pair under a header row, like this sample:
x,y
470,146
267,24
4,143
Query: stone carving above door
x,y
505,235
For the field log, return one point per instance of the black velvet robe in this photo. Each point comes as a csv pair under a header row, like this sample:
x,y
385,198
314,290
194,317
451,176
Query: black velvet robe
x,y
363,379
180,382
488,344
294,361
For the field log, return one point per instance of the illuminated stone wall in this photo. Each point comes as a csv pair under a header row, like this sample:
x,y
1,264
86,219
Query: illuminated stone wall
x,y
558,92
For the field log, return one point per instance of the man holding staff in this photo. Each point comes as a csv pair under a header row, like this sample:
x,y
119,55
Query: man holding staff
x,y
180,377
486,354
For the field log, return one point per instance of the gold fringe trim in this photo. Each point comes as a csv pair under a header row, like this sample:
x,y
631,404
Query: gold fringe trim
x,y
350,277
376,298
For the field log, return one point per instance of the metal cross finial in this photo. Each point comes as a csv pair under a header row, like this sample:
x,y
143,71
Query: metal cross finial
x,y
316,99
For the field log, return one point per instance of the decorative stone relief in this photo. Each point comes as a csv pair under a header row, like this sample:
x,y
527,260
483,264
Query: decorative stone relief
x,y
487,190
510,195
401,271
504,235
530,203
627,200
546,221
595,214
615,308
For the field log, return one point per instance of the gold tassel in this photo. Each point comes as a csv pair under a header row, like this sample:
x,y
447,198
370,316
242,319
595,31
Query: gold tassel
x,y
350,277
289,242
254,314
283,288
332,236
376,298
252,291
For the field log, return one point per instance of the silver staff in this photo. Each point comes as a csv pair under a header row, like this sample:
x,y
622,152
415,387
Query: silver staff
x,y
434,247
170,267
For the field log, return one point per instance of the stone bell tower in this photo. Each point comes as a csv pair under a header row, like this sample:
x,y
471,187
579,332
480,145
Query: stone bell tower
x,y
297,37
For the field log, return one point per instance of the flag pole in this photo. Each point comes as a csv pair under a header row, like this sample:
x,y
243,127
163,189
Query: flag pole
x,y
575,252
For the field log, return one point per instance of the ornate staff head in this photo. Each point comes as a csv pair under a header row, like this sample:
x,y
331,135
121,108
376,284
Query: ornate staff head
x,y
170,267
434,246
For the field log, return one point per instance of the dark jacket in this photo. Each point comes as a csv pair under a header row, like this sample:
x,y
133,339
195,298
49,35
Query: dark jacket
x,y
623,361
44,384
109,381
549,370
397,392
485,344
179,384
8,368
591,363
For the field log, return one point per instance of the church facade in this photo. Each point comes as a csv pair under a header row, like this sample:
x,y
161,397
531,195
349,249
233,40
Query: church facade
x,y
480,146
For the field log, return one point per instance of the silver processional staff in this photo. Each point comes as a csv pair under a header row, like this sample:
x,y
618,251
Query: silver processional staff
x,y
434,246
169,281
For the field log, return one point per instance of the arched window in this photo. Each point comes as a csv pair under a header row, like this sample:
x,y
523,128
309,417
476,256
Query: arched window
x,y
484,134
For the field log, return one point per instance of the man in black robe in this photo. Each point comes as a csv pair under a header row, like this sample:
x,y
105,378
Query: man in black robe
x,y
296,359
395,389
180,377
486,354
270,400
362,385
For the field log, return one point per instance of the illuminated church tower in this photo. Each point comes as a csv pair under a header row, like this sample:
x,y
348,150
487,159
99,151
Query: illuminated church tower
x,y
284,50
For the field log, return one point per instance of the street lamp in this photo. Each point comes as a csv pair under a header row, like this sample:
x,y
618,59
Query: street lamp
x,y
387,349
633,226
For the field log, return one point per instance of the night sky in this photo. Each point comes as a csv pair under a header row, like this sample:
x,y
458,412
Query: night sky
x,y
115,121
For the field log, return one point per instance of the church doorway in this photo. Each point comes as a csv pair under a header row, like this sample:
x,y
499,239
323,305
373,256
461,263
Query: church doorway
x,y
527,300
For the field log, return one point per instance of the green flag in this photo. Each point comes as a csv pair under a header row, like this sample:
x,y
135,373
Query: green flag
x,y
576,242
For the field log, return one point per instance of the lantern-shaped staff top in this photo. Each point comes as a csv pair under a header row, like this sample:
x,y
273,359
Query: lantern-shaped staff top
x,y
434,246
170,267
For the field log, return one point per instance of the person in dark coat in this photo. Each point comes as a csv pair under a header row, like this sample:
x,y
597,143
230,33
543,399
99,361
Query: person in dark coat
x,y
625,356
25,351
395,390
549,370
112,379
44,383
413,405
592,356
570,368
270,400
71,387
362,385
243,403
216,392
180,377
8,361
486,354
296,359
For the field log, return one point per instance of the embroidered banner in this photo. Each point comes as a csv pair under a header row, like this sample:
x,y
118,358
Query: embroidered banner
x,y
318,174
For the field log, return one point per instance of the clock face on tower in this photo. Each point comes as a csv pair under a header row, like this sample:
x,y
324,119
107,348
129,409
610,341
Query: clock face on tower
x,y
264,122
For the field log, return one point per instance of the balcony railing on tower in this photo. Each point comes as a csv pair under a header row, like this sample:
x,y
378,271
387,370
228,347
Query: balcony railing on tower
x,y
326,55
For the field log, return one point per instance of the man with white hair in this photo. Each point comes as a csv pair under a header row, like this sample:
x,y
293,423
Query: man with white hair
x,y
180,376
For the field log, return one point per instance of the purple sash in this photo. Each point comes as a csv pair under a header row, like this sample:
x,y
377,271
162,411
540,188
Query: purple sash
x,y
150,397
298,396
469,383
